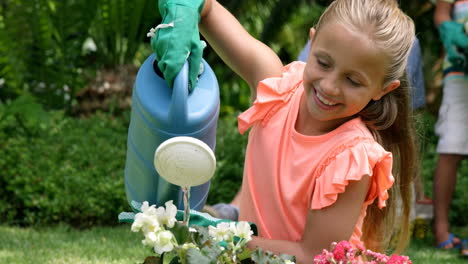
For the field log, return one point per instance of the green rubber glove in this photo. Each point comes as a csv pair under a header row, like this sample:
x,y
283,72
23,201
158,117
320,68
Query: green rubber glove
x,y
205,220
453,36
178,39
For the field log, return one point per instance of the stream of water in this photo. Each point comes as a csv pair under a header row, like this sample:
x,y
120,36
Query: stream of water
x,y
186,191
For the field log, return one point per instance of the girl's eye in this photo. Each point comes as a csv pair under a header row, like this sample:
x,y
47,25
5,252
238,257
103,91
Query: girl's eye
x,y
322,64
353,82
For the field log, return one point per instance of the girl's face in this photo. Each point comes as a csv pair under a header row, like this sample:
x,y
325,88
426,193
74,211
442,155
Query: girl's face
x,y
344,71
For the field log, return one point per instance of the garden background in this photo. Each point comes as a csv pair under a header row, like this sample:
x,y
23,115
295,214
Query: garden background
x,y
66,73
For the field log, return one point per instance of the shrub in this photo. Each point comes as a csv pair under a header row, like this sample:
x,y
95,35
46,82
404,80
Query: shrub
x,y
70,170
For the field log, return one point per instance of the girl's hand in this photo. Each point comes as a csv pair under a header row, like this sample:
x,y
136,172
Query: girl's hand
x,y
177,39
453,36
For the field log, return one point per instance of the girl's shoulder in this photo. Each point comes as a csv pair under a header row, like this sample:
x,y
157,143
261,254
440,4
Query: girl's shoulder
x,y
272,94
353,137
291,76
355,154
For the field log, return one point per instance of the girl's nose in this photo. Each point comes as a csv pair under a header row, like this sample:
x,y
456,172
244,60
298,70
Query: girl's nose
x,y
329,86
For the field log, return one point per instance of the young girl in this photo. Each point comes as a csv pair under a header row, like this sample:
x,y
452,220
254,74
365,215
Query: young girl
x,y
330,140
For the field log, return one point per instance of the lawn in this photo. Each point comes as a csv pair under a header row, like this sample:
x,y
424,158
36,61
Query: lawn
x,y
61,244
112,245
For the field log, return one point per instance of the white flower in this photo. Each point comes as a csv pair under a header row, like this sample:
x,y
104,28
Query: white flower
x,y
137,223
163,242
243,231
167,216
147,220
88,46
145,223
288,262
150,239
189,245
193,230
146,209
222,231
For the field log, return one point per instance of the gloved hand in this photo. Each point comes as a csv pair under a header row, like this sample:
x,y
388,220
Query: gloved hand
x,y
453,36
205,220
177,39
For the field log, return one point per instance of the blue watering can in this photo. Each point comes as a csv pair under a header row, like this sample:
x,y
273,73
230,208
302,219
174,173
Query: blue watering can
x,y
159,113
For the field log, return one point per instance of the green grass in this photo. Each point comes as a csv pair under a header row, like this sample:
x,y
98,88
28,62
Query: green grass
x,y
423,251
109,245
61,244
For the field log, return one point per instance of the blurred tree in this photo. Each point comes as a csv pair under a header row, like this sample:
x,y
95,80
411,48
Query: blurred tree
x,y
42,41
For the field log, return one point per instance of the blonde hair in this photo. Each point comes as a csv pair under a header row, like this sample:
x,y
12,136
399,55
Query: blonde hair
x,y
389,118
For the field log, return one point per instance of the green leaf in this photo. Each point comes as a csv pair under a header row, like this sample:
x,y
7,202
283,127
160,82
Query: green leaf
x,y
212,251
259,256
194,256
201,237
152,260
181,233
170,257
265,257
246,253
287,257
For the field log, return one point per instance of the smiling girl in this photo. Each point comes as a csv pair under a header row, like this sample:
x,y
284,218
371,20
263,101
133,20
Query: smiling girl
x,y
330,140
331,147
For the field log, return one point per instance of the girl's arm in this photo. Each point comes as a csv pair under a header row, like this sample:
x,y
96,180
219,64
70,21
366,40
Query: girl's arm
x,y
442,12
248,57
331,224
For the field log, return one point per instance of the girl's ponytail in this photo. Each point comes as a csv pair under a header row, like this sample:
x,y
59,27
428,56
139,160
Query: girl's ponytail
x,y
391,121
389,118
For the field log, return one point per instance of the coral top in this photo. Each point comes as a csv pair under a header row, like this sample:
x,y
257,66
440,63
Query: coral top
x,y
286,173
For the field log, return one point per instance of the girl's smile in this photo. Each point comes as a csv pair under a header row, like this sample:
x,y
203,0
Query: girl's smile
x,y
323,101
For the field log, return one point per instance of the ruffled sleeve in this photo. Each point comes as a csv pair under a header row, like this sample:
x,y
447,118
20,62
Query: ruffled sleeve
x,y
272,94
351,162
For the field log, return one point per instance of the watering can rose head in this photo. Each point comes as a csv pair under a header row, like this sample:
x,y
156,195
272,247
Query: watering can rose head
x,y
185,161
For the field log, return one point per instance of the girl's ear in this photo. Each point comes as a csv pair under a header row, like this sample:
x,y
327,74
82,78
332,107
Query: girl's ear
x,y
311,33
390,87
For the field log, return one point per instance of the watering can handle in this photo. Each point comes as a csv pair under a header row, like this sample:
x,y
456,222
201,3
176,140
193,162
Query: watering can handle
x,y
178,109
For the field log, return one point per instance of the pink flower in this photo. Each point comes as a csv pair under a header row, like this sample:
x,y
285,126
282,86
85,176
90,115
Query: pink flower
x,y
378,257
344,252
322,258
339,253
341,250
360,248
395,259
